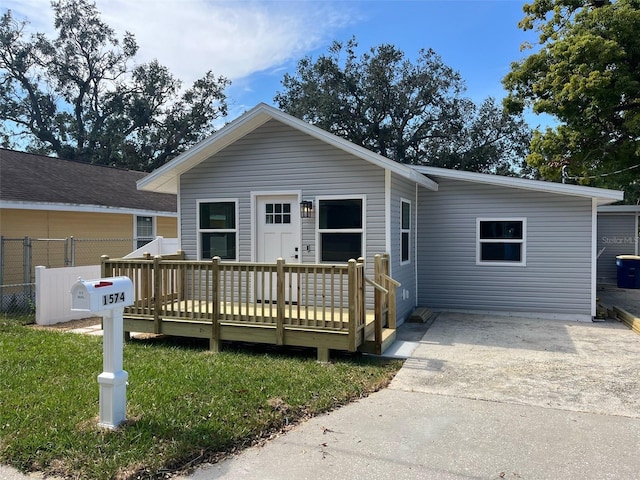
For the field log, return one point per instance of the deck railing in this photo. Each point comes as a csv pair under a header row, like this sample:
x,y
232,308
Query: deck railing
x,y
314,297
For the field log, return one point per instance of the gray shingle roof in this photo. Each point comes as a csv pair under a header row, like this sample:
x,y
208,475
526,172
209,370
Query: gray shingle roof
x,y
37,178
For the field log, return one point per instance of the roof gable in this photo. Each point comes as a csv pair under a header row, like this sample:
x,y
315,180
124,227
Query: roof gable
x,y
165,178
37,179
602,195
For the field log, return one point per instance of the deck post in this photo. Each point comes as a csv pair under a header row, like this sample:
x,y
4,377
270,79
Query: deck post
x,y
103,266
214,342
323,355
146,281
181,279
362,296
378,299
353,298
157,300
391,298
280,301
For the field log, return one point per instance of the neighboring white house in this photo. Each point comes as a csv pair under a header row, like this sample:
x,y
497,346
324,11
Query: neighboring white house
x,y
457,240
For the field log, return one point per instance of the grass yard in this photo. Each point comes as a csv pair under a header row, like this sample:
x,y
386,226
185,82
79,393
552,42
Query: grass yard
x,y
184,404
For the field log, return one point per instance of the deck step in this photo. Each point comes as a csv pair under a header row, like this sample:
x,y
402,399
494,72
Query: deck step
x,y
421,315
369,345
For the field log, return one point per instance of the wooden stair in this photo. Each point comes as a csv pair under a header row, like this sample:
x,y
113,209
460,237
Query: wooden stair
x,y
629,319
369,345
421,315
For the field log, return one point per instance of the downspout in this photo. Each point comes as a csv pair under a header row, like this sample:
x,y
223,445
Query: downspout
x,y
387,216
594,254
637,232
179,211
415,247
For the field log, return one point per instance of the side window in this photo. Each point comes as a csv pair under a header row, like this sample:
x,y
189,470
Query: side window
x,y
340,227
217,229
144,231
501,241
405,231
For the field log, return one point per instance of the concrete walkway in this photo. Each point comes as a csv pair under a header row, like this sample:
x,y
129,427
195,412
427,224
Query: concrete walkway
x,y
480,397
626,298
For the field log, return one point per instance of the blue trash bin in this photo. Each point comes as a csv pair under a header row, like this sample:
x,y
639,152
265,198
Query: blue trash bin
x,y
628,271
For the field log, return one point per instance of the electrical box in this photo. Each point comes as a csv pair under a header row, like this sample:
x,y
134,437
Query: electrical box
x,y
101,294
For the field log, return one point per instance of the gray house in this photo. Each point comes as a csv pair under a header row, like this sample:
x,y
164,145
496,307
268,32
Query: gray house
x,y
269,185
618,232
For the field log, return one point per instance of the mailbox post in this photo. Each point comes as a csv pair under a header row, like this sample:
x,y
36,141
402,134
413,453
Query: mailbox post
x,y
108,296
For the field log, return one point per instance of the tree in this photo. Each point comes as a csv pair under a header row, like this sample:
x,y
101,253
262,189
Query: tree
x,y
586,73
410,112
79,97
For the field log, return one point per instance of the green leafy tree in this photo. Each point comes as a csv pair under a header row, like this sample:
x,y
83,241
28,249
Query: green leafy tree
x,y
586,73
79,96
413,113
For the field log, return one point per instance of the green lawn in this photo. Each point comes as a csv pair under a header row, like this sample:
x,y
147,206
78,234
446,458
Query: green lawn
x,y
184,404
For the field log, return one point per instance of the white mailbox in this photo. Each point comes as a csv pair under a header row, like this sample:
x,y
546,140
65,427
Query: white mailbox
x,y
108,296
102,294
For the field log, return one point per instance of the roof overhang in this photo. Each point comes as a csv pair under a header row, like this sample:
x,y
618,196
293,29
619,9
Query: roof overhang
x,y
81,208
603,196
622,209
165,178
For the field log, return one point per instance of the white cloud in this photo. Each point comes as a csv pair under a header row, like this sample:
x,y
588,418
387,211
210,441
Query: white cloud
x,y
231,38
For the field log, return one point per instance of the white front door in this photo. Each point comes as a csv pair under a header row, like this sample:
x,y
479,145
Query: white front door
x,y
278,233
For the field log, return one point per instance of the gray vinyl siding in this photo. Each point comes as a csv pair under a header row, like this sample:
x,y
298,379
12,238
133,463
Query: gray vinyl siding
x,y
617,234
275,157
557,277
405,274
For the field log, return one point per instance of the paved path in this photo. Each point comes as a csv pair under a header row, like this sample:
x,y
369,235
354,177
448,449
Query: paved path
x,y
626,298
397,434
480,397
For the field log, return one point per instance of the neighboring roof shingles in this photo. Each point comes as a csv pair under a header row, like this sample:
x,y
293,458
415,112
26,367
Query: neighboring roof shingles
x,y
26,177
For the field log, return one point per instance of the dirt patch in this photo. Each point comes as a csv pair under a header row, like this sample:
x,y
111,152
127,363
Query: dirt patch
x,y
71,325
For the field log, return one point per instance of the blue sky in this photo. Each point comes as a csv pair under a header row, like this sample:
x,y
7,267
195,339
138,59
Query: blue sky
x,y
479,38
254,42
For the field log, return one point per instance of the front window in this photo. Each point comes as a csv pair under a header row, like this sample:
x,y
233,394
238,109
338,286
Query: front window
x,y
340,226
501,241
405,231
217,229
144,231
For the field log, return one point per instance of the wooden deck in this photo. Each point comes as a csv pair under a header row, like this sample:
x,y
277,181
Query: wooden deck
x,y
327,307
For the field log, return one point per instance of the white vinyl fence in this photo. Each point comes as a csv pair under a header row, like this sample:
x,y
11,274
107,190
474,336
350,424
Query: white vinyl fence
x,y
53,285
53,292
158,246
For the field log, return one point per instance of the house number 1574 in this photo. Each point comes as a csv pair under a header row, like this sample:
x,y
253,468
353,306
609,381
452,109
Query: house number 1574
x,y
113,298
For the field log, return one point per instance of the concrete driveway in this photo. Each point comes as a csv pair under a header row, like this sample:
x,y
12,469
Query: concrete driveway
x,y
479,397
587,367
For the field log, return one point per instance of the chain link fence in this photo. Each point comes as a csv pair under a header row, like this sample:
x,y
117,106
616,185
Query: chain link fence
x,y
20,256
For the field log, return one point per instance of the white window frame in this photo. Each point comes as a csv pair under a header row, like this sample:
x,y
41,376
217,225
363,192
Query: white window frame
x,y
200,231
522,242
406,231
320,231
137,237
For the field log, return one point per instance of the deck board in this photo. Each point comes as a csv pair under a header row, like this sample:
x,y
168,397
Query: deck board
x,y
242,323
297,316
